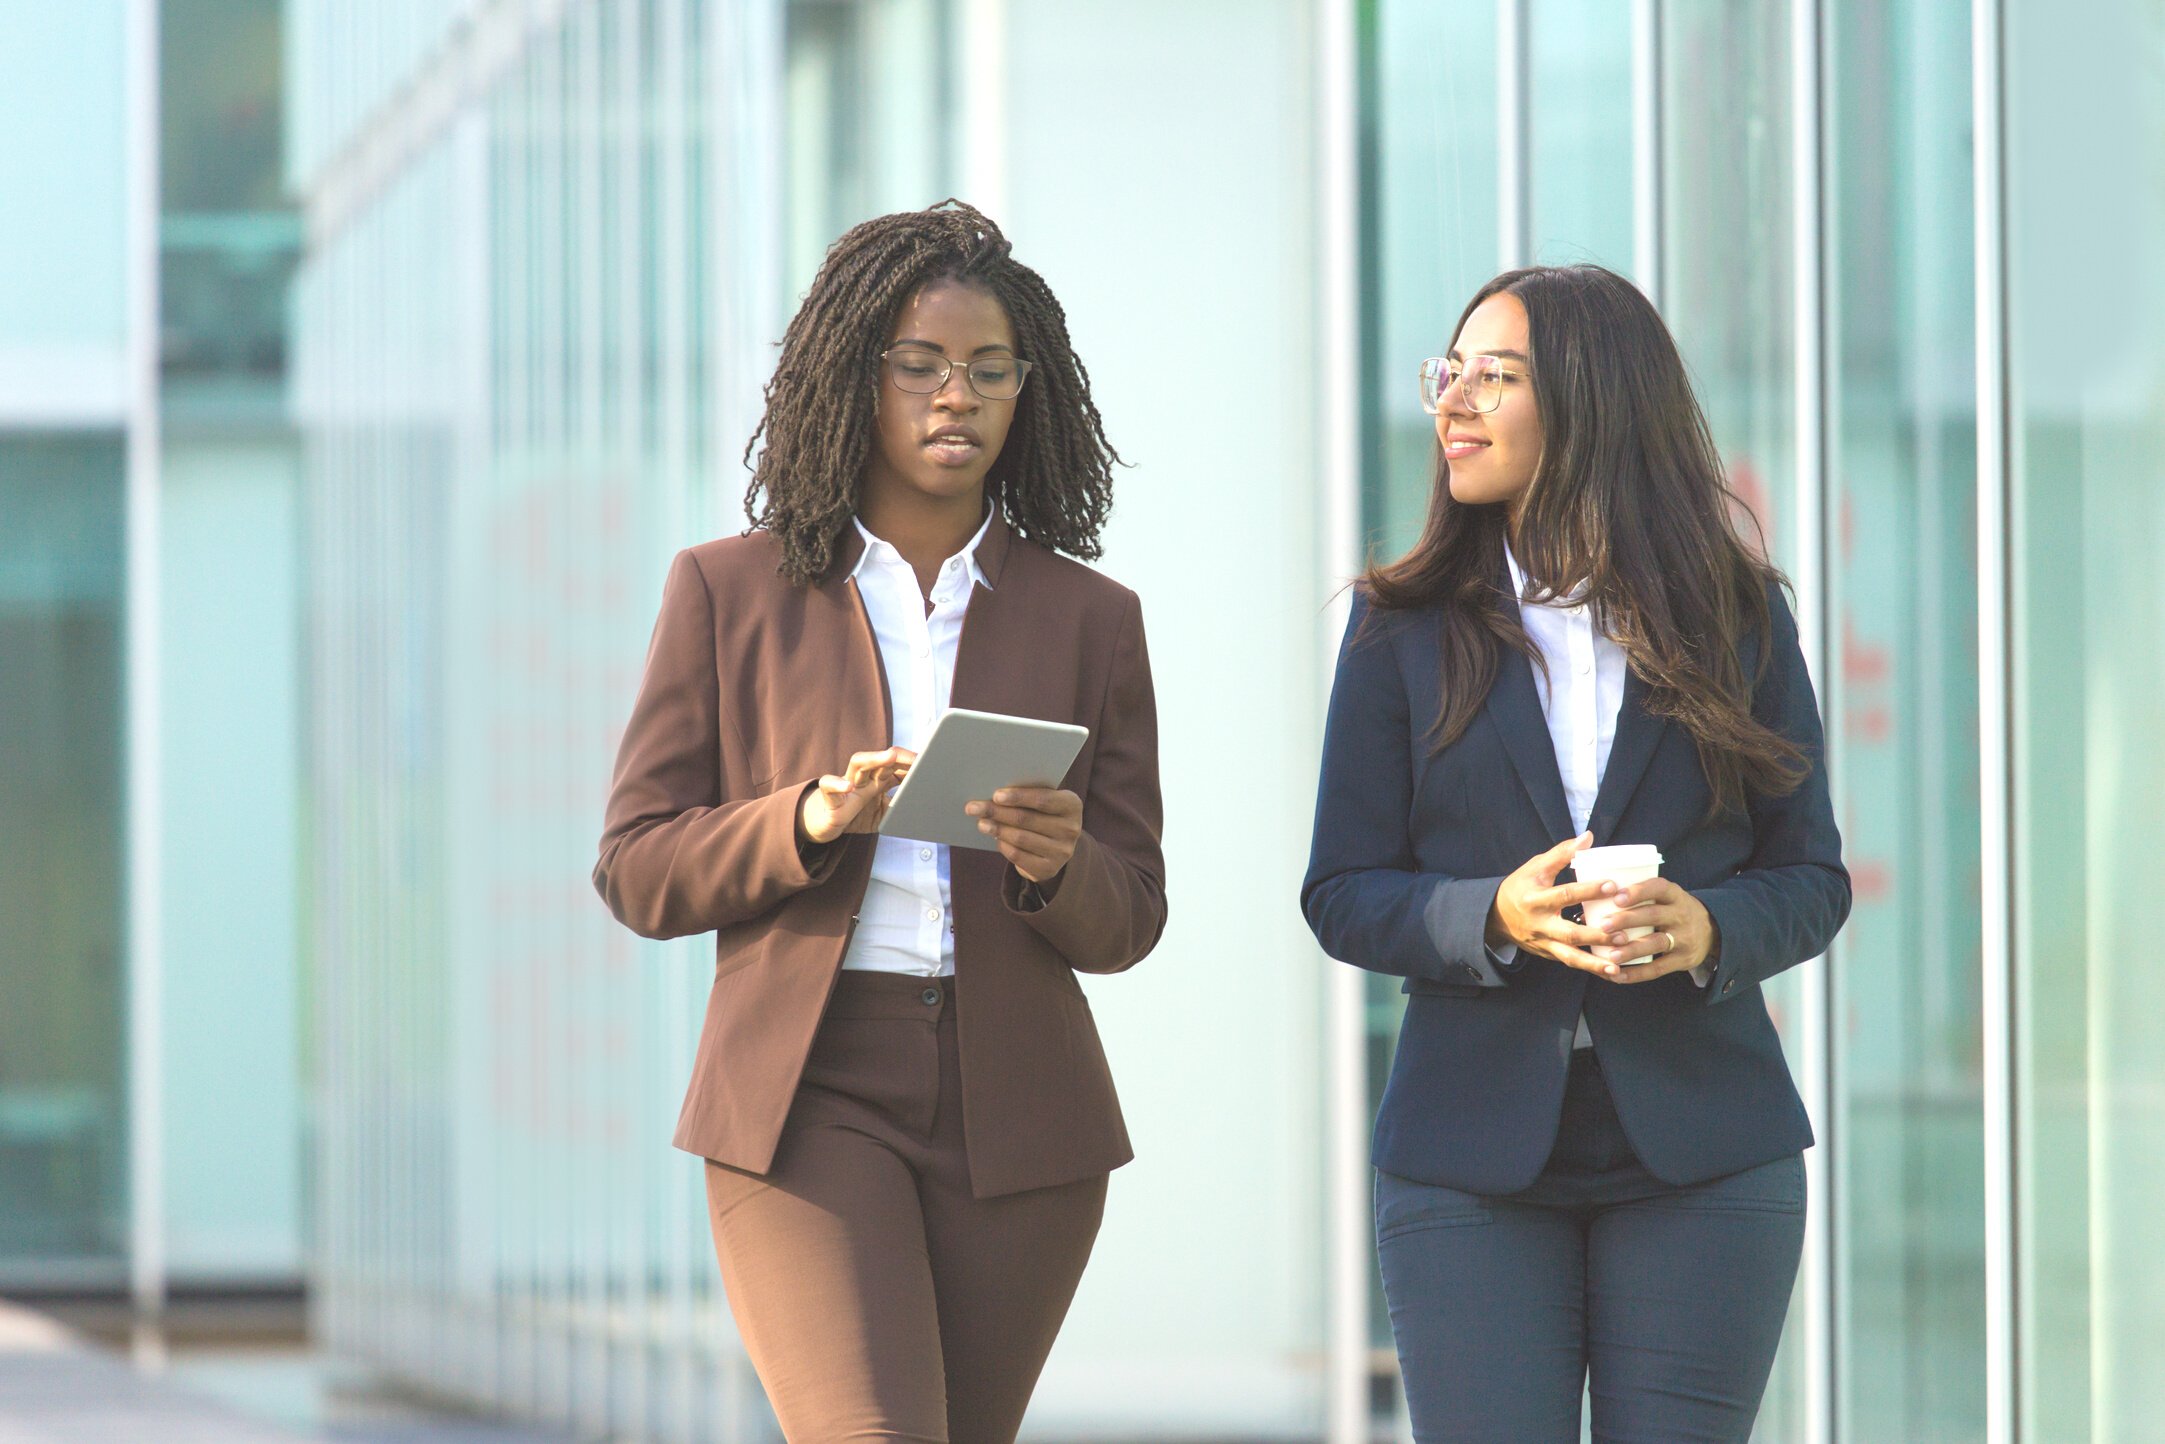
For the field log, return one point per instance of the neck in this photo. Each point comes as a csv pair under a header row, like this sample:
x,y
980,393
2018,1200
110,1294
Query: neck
x,y
926,530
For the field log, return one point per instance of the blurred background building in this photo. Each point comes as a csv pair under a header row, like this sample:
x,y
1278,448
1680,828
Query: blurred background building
x,y
362,363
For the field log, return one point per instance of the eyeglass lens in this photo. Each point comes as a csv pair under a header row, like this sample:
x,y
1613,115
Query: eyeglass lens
x,y
1480,382
996,378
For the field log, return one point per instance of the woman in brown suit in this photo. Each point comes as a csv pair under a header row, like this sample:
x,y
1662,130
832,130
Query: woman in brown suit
x,y
905,1175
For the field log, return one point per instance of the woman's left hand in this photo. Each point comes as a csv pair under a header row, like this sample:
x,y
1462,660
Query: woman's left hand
x,y
1036,828
1684,934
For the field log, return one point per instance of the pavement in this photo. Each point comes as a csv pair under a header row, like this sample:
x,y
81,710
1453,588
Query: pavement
x,y
58,1387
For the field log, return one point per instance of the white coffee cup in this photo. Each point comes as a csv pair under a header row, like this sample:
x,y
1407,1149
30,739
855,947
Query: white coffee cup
x,y
1622,864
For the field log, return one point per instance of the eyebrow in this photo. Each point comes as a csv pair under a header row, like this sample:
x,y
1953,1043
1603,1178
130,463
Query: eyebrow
x,y
1452,355
936,346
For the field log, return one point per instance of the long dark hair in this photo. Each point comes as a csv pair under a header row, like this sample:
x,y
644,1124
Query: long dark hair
x,y
1627,500
1053,477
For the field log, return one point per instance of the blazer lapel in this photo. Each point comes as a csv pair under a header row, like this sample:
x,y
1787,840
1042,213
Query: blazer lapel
x,y
1514,706
1638,733
856,695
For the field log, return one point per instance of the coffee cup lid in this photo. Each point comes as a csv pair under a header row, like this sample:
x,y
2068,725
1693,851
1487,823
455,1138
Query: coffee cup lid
x,y
1617,855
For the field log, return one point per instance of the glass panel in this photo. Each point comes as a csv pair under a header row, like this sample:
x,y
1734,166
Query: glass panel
x,y
1430,88
63,1142
229,240
1901,710
2086,205
1581,166
1727,295
866,97
62,66
1429,96
505,368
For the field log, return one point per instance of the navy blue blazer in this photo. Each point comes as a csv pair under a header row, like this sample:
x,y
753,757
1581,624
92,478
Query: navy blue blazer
x,y
1410,847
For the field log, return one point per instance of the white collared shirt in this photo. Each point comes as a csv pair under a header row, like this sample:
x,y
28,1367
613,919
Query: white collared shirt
x,y
904,924
1581,697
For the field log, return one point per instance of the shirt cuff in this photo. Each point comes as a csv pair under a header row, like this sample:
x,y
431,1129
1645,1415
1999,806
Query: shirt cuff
x,y
1496,967
1703,974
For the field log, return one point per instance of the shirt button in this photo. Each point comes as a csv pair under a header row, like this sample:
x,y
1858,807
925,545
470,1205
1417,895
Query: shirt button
x,y
932,915
925,853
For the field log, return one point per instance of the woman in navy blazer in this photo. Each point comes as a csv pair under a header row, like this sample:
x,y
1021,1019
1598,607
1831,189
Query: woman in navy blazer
x,y
1589,1152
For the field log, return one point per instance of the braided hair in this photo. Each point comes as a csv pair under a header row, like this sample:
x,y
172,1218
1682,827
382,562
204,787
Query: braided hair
x,y
1053,477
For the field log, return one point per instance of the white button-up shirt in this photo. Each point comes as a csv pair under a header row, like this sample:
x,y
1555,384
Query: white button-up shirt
x,y
1581,697
904,925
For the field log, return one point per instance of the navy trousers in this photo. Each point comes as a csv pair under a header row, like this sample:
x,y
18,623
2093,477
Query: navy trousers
x,y
1665,1304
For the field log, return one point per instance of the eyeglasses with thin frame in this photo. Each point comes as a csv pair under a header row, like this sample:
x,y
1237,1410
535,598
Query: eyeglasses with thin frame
x,y
925,373
1480,382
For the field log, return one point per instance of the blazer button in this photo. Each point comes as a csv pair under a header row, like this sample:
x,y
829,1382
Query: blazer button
x,y
1728,985
931,997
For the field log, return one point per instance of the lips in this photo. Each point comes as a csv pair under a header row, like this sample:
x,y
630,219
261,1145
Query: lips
x,y
954,445
1457,448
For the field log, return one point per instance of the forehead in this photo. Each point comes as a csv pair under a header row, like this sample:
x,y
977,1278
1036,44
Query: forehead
x,y
1497,324
958,319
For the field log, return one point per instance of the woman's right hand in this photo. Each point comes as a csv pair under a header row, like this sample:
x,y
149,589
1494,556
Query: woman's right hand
x,y
856,800
1529,910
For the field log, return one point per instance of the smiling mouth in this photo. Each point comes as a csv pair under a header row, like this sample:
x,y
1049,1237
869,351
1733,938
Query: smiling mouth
x,y
1459,448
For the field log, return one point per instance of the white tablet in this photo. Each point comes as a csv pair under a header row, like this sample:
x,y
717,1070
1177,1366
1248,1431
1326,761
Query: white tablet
x,y
968,757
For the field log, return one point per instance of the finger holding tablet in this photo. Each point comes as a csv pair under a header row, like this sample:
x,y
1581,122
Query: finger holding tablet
x,y
856,799
990,781
1036,827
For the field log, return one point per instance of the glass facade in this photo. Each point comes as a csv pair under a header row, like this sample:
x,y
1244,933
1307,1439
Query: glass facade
x,y
63,1092
1855,443
1901,699
547,251
2087,707
528,361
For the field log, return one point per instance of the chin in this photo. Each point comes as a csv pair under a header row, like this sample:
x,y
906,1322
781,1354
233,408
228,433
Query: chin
x,y
939,482
1469,493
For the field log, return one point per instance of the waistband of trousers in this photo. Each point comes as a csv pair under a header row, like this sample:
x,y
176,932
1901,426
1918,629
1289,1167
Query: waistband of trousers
x,y
859,993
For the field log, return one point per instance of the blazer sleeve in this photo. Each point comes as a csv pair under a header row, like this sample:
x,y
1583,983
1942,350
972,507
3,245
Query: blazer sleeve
x,y
1791,896
677,857
1365,896
1106,909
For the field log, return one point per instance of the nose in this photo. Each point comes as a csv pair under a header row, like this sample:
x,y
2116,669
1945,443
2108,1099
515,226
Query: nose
x,y
955,393
1451,401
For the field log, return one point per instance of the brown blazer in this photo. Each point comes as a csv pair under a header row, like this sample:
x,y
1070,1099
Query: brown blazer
x,y
753,689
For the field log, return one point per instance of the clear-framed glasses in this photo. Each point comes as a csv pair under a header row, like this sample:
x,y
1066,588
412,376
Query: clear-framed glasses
x,y
924,373
1480,382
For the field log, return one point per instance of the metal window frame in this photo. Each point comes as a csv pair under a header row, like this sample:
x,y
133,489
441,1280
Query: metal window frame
x,y
144,691
1995,719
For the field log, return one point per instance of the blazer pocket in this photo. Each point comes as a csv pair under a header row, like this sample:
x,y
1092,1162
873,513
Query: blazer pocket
x,y
1422,987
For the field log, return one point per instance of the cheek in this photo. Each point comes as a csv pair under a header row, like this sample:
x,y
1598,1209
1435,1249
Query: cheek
x,y
996,434
897,432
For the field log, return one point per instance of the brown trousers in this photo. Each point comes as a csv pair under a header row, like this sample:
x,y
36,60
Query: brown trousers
x,y
877,1298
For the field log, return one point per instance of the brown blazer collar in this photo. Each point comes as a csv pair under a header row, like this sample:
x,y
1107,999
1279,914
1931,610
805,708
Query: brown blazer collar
x,y
991,552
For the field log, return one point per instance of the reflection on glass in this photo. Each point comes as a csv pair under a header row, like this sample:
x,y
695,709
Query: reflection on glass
x,y
1726,293
63,1144
516,363
230,240
1431,242
1580,168
868,94
2088,599
1429,97
1901,709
